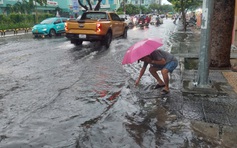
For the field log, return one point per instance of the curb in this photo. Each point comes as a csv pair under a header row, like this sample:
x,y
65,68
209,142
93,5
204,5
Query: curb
x,y
14,31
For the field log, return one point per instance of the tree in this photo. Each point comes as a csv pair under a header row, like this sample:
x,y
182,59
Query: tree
x,y
133,9
33,3
183,6
130,9
162,9
41,2
221,33
154,6
17,7
8,9
97,7
27,7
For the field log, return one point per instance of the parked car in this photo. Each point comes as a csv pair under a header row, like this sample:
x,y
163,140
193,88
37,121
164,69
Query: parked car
x,y
50,27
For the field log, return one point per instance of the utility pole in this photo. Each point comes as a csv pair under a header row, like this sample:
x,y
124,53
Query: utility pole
x,y
204,55
124,9
140,7
36,12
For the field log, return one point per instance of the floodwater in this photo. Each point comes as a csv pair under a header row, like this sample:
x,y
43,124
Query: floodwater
x,y
54,94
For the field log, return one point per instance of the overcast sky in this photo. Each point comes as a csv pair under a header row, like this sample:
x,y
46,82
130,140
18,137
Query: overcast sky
x,y
165,2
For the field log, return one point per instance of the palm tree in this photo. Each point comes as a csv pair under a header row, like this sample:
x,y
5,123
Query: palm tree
x,y
33,3
17,7
8,9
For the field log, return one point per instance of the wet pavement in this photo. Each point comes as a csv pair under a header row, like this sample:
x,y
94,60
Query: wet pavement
x,y
55,94
213,108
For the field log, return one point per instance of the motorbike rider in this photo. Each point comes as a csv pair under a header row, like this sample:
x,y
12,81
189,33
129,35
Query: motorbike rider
x,y
142,19
157,20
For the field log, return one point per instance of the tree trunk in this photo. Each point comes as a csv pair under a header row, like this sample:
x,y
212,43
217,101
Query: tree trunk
x,y
221,33
97,7
89,3
84,6
183,15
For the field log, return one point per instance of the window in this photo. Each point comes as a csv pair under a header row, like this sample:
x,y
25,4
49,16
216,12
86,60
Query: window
x,y
64,20
94,16
57,21
115,17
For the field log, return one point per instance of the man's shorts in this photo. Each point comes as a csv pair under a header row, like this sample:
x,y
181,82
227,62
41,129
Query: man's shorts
x,y
169,66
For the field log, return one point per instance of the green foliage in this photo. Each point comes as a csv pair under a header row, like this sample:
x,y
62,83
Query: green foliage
x,y
185,5
120,12
14,20
131,9
135,9
41,2
24,6
161,9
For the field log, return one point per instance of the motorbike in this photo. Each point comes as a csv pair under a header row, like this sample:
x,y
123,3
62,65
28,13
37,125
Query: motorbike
x,y
191,22
143,24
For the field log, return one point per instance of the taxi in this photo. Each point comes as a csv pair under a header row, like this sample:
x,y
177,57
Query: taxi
x,y
50,27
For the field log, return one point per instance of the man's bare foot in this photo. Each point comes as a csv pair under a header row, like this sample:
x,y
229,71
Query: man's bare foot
x,y
159,86
234,68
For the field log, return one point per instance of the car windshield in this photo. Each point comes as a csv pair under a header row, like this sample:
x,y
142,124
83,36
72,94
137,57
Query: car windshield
x,y
47,21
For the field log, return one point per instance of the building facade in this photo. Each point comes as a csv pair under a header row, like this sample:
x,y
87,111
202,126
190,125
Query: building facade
x,y
50,7
67,6
71,7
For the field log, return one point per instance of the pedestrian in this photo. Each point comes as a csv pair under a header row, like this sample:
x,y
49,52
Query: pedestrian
x,y
157,20
159,60
175,18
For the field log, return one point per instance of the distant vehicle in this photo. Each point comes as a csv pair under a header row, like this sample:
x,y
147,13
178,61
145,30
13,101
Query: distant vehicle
x,y
154,20
191,22
50,27
162,16
128,20
170,14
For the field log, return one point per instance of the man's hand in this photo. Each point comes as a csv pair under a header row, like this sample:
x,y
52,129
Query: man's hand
x,y
136,82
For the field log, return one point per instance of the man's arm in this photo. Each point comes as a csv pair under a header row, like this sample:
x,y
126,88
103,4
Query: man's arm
x,y
142,71
159,62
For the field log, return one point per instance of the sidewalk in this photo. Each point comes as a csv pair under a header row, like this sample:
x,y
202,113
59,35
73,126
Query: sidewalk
x,y
212,109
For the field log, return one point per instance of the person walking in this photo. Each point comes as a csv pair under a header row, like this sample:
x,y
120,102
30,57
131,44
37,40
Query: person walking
x,y
159,60
175,18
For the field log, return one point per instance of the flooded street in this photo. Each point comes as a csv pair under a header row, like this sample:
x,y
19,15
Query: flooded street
x,y
57,95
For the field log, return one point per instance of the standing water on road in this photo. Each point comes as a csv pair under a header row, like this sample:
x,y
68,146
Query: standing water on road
x,y
55,94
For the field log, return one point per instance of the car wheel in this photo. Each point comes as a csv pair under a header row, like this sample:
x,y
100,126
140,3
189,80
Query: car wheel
x,y
52,32
125,33
108,39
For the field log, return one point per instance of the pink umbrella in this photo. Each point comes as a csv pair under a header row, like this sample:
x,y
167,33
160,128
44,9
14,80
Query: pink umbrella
x,y
141,49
